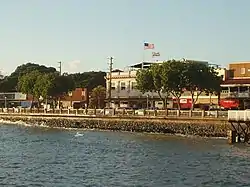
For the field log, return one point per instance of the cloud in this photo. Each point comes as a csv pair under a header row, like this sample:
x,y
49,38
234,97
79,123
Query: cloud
x,y
3,73
72,66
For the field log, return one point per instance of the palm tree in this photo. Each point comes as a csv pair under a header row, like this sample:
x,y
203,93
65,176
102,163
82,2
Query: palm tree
x,y
98,96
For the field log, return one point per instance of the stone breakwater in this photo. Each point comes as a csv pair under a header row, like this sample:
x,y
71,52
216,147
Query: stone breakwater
x,y
188,126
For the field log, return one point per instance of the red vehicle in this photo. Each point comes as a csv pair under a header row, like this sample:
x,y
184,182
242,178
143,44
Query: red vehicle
x,y
184,103
229,103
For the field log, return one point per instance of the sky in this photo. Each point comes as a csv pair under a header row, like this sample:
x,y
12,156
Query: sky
x,y
82,34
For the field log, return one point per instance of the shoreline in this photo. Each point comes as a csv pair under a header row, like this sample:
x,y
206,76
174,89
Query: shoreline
x,y
21,123
201,127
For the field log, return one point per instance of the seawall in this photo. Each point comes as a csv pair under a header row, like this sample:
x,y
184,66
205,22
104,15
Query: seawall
x,y
208,127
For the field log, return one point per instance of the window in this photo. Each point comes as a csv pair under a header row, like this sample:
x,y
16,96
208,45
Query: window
x,y
133,86
242,71
123,86
112,85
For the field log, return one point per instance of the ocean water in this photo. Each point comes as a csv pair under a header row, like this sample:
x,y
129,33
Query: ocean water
x,y
35,156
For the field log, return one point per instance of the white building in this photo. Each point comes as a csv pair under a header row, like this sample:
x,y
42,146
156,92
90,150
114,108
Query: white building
x,y
12,98
124,93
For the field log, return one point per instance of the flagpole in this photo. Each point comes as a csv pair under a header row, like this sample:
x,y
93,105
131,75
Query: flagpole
x,y
143,55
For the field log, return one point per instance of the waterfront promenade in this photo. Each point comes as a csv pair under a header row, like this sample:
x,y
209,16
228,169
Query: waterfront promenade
x,y
199,123
120,113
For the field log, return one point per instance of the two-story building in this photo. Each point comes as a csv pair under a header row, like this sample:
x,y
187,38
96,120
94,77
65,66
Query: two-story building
x,y
78,98
236,88
124,93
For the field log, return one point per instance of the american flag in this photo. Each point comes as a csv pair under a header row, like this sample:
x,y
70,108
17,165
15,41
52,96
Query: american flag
x,y
148,46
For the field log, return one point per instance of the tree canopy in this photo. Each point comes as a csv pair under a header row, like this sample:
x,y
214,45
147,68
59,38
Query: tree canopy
x,y
10,83
150,80
47,85
27,81
97,97
88,80
175,77
144,80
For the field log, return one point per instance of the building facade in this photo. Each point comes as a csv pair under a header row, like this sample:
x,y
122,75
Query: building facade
x,y
239,70
12,99
124,93
236,88
78,98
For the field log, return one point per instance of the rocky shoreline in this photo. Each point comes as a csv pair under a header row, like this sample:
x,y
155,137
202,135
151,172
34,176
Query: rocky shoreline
x,y
188,126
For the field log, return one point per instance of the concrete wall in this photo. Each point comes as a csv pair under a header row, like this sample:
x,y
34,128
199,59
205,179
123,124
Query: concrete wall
x,y
208,127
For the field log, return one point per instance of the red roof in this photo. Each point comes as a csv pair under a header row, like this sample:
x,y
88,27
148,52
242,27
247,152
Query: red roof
x,y
79,94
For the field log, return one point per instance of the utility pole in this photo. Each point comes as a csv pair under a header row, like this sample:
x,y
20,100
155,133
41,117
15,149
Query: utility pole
x,y
60,67
110,78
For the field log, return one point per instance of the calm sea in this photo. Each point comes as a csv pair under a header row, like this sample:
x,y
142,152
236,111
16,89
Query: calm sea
x,y
33,156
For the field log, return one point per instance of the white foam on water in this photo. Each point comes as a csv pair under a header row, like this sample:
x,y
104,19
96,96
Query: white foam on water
x,y
78,134
14,122
42,125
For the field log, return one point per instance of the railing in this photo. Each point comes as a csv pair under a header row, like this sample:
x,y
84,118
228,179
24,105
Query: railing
x,y
239,115
117,112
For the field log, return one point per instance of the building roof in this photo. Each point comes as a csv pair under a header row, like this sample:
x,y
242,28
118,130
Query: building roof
x,y
139,65
236,81
117,70
240,62
145,64
79,94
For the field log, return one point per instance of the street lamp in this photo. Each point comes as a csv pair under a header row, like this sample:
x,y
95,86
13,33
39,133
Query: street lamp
x,y
89,100
147,101
5,102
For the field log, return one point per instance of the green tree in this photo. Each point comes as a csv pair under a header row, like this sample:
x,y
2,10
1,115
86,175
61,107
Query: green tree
x,y
213,84
44,85
200,78
150,80
158,87
26,83
174,79
97,97
10,83
1,81
144,80
61,85
52,86
89,80
196,80
1,76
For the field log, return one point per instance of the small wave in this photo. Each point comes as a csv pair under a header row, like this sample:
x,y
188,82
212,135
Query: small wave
x,y
14,122
20,122
78,134
42,125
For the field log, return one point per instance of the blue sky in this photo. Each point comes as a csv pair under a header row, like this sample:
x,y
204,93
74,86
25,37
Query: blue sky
x,y
83,33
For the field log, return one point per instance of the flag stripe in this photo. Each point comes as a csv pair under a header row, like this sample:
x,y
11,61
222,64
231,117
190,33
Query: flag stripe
x,y
149,46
